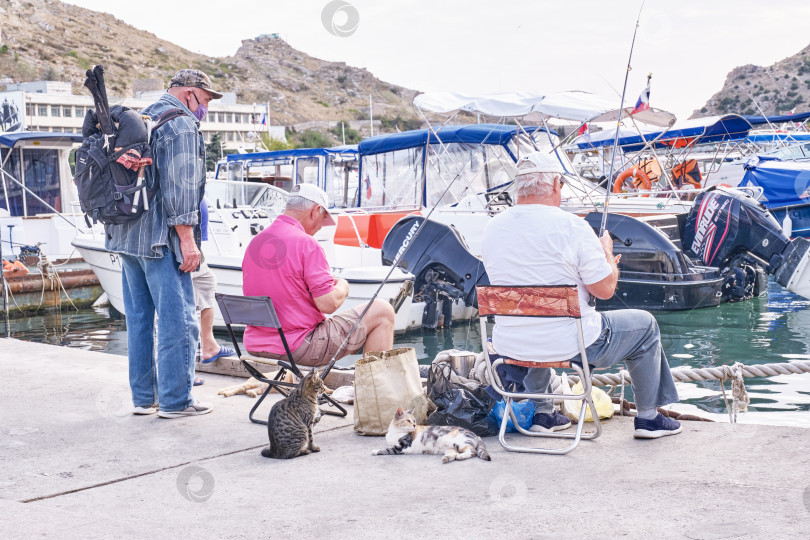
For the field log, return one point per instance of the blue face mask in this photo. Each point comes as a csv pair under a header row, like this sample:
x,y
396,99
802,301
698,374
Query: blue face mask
x,y
201,111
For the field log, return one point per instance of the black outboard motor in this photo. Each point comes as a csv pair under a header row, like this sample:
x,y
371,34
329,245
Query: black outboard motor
x,y
441,262
725,224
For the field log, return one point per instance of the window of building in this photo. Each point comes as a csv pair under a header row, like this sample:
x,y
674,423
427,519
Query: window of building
x,y
229,118
67,111
55,110
43,110
30,110
220,117
230,136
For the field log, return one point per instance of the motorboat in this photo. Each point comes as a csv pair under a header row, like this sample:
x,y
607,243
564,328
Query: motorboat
x,y
38,199
238,211
39,216
691,154
733,237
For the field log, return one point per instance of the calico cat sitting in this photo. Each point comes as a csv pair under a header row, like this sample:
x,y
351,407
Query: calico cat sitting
x,y
289,425
406,437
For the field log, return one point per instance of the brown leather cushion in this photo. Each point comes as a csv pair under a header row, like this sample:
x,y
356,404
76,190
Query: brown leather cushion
x,y
535,301
530,364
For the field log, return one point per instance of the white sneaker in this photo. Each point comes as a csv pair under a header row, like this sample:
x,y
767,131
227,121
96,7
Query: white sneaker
x,y
149,409
195,409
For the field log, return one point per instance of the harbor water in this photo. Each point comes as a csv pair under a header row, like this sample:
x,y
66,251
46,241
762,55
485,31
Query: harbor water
x,y
770,329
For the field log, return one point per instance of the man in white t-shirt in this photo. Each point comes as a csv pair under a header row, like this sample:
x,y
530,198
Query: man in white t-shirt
x,y
537,243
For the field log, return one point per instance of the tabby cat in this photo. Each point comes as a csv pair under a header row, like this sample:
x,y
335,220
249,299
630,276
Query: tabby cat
x,y
406,437
289,425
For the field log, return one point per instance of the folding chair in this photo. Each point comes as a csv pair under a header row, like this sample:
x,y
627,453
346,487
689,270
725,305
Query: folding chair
x,y
259,311
537,301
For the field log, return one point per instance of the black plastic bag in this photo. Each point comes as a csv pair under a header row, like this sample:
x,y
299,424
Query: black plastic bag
x,y
457,405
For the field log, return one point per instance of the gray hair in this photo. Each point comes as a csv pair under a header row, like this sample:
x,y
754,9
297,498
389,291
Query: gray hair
x,y
540,184
297,203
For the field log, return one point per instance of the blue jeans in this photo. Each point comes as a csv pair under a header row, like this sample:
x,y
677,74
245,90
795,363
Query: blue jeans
x,y
631,335
158,286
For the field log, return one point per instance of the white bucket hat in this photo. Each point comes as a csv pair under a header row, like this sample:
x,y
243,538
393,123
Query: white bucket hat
x,y
313,193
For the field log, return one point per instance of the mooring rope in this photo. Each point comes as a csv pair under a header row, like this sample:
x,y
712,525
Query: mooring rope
x,y
735,372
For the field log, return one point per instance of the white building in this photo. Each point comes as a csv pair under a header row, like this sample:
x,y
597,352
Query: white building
x,y
50,106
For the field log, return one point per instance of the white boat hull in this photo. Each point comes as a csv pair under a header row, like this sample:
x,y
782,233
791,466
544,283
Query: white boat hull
x,y
363,283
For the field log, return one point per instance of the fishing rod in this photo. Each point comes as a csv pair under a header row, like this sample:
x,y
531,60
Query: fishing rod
x,y
395,263
4,284
618,125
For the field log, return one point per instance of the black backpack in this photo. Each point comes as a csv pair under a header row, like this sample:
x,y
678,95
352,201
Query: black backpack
x,y
110,191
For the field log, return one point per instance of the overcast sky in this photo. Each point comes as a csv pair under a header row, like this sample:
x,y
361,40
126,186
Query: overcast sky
x,y
497,46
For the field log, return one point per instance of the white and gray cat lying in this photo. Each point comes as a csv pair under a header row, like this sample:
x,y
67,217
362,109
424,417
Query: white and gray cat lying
x,y
407,437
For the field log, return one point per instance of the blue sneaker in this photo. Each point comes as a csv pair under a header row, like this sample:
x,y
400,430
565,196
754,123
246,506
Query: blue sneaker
x,y
548,423
660,426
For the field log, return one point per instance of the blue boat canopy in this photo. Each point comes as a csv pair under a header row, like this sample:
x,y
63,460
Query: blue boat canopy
x,y
11,139
472,134
699,131
783,183
350,149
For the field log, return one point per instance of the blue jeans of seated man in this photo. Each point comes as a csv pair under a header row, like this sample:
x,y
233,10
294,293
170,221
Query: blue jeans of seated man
x,y
158,286
631,335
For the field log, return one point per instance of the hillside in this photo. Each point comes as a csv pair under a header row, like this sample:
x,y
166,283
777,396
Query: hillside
x,y
777,89
47,39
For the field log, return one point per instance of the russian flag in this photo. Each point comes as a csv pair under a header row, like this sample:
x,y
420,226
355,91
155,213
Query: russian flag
x,y
264,119
643,103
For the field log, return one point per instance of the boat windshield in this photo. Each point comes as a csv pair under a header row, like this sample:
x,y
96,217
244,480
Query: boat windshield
x,y
39,170
342,178
453,173
794,151
224,194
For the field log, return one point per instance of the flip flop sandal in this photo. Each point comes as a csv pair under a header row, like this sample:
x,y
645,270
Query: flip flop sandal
x,y
223,352
198,381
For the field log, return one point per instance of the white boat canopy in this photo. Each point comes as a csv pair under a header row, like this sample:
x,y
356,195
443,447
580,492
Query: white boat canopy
x,y
573,105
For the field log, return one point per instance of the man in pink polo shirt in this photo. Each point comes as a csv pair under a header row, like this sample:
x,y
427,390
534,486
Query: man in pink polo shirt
x,y
286,263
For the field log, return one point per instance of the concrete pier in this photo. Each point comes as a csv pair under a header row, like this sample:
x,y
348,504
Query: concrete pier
x,y
74,463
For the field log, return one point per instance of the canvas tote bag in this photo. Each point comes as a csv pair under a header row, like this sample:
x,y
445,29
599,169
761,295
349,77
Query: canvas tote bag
x,y
384,381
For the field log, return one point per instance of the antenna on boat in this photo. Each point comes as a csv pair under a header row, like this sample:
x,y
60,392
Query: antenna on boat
x,y
371,114
618,125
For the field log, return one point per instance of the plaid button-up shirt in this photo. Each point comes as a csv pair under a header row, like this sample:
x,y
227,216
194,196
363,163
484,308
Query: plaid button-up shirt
x,y
178,176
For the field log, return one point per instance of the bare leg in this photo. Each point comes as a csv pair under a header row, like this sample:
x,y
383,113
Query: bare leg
x,y
210,347
380,327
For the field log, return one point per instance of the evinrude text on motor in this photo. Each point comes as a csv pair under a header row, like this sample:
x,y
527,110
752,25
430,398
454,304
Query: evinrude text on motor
x,y
727,225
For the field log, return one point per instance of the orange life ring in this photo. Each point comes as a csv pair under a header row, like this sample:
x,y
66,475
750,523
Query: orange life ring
x,y
642,180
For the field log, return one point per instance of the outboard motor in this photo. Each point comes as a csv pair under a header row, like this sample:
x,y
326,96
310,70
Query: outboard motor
x,y
725,224
438,257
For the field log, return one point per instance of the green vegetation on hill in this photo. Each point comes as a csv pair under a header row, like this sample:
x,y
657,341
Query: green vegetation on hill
x,y
775,89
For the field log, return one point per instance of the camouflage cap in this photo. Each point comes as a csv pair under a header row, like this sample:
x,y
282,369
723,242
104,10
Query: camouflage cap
x,y
195,79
